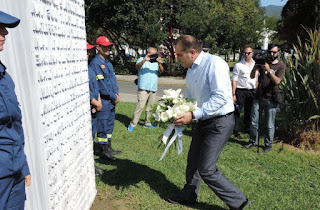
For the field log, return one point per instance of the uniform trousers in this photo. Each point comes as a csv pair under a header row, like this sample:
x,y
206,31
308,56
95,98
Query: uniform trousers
x,y
12,192
94,120
208,139
105,125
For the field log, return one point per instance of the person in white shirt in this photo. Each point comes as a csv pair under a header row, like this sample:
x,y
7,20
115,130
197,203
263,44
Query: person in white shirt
x,y
243,89
208,83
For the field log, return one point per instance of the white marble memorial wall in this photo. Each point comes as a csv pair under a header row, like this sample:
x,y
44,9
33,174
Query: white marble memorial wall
x,y
52,86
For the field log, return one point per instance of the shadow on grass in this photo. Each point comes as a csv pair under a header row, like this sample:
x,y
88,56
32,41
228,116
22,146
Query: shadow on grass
x,y
129,173
242,142
124,119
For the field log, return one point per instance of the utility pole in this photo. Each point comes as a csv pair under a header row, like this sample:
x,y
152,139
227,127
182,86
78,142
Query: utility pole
x,y
171,41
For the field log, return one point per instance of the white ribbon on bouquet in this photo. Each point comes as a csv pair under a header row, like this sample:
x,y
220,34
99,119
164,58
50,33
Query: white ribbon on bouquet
x,y
177,135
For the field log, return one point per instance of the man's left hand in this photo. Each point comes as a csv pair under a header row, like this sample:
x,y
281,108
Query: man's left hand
x,y
266,67
27,180
183,119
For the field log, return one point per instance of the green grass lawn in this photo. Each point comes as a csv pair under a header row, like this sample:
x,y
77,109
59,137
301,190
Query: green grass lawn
x,y
285,178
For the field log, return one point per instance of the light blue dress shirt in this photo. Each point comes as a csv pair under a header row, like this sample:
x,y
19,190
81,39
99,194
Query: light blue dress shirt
x,y
148,75
208,82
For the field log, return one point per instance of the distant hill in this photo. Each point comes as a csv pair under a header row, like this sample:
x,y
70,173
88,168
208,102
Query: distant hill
x,y
273,10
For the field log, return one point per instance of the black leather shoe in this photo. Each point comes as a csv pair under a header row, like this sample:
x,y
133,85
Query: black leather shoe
x,y
247,131
106,154
267,149
112,151
249,145
244,205
115,152
179,200
98,171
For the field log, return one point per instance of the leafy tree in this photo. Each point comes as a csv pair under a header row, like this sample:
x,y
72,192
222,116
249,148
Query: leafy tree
x,y
236,23
296,16
271,23
138,23
226,24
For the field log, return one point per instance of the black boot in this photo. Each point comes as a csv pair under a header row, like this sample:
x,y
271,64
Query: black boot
x,y
106,154
98,171
114,152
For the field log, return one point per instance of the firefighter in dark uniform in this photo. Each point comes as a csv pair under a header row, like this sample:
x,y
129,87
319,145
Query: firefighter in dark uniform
x,y
95,103
14,169
109,94
95,100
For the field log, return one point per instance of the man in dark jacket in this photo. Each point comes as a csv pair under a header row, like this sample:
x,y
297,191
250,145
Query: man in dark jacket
x,y
14,169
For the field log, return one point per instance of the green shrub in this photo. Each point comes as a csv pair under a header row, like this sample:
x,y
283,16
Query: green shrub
x,y
302,88
124,68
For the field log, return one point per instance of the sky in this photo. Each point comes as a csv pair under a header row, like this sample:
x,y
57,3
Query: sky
x,y
273,2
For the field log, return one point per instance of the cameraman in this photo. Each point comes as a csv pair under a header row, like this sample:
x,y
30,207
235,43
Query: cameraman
x,y
270,75
148,68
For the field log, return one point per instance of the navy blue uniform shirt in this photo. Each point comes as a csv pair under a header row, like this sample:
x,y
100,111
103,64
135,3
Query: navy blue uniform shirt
x,y
93,85
12,157
107,81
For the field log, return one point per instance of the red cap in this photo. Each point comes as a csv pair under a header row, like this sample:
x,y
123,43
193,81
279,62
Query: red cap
x,y
104,41
89,46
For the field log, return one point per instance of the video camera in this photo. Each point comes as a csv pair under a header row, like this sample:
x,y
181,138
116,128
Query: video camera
x,y
153,58
260,57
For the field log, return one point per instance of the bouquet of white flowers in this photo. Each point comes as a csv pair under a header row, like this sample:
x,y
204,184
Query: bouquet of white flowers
x,y
169,107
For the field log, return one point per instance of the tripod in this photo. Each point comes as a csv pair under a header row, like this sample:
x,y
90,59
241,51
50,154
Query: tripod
x,y
260,104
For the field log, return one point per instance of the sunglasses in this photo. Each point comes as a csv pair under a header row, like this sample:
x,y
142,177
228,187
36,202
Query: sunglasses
x,y
247,53
272,52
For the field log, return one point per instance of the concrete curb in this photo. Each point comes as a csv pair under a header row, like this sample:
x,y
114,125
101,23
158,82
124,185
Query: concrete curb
x,y
177,81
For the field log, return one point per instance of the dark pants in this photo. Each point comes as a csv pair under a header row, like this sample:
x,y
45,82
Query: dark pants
x,y
94,120
244,100
209,138
12,192
105,125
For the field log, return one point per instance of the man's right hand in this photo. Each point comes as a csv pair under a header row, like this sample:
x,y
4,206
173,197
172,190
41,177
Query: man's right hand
x,y
99,106
147,58
234,98
117,100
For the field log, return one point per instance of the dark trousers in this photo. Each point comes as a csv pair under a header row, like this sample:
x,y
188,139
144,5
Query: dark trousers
x,y
94,121
12,192
105,125
244,100
209,138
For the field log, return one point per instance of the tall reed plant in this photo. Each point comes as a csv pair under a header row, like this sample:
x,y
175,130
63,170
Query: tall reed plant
x,y
301,85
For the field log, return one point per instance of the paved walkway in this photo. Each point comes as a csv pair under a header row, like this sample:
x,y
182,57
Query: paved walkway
x,y
179,81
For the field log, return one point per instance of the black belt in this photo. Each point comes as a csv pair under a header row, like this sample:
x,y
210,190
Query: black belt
x,y
105,97
230,113
246,89
214,118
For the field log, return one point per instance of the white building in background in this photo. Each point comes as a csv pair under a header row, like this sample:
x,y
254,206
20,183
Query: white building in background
x,y
266,33
129,51
266,40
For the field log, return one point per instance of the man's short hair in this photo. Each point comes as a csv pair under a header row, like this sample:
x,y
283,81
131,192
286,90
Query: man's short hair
x,y
272,45
247,46
188,42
